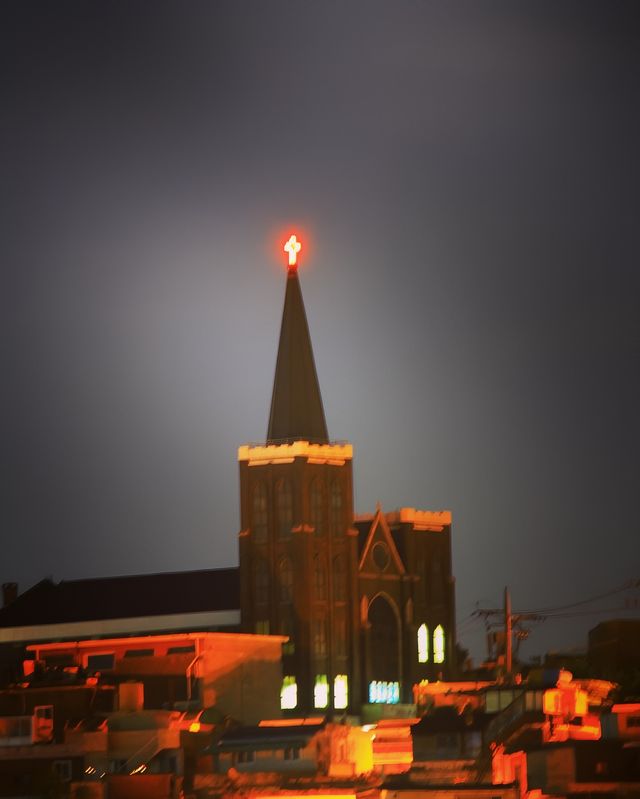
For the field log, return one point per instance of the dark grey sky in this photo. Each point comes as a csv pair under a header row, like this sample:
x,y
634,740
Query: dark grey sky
x,y
466,178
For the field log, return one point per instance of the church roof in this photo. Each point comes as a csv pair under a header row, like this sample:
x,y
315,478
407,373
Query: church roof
x,y
139,595
297,413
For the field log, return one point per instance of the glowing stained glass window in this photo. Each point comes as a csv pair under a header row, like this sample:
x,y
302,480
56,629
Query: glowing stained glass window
x,y
289,693
321,691
423,644
438,644
382,692
340,691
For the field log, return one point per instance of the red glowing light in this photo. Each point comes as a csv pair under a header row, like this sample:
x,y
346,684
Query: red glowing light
x,y
292,247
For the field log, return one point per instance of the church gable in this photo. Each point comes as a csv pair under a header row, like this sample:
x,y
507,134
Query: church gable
x,y
379,553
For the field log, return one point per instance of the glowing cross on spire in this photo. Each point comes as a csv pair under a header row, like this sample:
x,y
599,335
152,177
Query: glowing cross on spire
x,y
293,247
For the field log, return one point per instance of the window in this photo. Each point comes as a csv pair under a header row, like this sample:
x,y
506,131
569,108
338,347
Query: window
x,y
380,555
340,627
317,507
285,569
339,578
633,721
384,693
138,653
337,526
319,577
289,693
104,661
189,649
438,645
423,643
286,628
321,691
262,627
340,691
319,638
261,581
284,508
62,770
246,757
292,753
259,512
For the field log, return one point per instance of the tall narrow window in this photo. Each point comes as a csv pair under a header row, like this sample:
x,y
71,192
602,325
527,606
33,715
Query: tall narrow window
x,y
337,526
340,628
319,577
339,578
321,691
285,574
261,581
284,508
289,693
259,512
340,691
423,643
319,638
316,501
438,645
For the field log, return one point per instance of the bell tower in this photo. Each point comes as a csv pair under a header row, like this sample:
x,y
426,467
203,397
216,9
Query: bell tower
x,y
298,545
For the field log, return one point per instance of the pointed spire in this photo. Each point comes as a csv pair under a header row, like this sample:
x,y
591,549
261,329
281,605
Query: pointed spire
x,y
296,405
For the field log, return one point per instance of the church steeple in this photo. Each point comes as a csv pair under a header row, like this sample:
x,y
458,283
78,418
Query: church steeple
x,y
296,405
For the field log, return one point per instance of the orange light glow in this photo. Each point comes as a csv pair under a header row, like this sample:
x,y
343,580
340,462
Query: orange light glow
x,y
194,727
293,247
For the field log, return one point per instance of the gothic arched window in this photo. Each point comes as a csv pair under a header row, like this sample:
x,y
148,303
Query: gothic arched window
x,y
285,569
337,526
340,629
339,578
423,643
259,512
319,637
316,501
284,508
319,577
438,644
261,581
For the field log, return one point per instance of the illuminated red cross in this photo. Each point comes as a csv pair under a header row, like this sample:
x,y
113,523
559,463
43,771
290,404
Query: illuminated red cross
x,y
293,248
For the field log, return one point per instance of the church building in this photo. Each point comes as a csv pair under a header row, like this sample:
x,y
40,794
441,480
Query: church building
x,y
366,601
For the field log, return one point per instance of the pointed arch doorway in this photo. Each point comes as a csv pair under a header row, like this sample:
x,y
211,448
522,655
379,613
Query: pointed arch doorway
x,y
384,658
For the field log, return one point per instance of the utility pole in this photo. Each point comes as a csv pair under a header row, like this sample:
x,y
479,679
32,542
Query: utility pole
x,y
511,624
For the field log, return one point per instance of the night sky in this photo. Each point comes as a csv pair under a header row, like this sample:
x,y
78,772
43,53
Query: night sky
x,y
465,178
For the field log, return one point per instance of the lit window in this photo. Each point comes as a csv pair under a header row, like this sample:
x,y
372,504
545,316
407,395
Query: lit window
x,y
341,691
321,691
259,513
423,644
289,693
382,692
438,645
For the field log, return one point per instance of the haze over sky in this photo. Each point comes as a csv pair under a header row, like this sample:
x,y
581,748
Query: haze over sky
x,y
465,180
